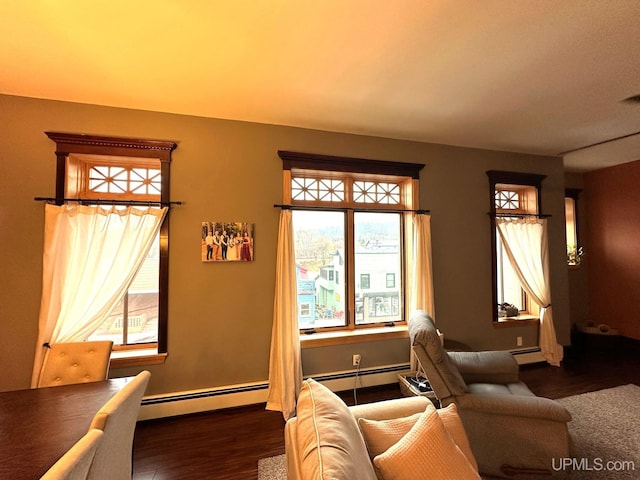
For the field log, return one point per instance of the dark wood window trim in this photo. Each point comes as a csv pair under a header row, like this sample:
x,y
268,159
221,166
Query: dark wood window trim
x,y
509,178
574,193
513,178
74,143
313,161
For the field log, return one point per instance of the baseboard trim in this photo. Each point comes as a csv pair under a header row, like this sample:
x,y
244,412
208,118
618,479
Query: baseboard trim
x,y
203,400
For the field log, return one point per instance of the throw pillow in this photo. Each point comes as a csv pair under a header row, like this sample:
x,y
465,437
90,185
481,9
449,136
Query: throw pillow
x,y
379,436
329,441
455,428
426,451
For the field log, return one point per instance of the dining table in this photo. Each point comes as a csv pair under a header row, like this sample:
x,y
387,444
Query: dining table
x,y
37,426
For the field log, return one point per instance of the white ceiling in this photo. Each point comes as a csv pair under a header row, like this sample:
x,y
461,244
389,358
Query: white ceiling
x,y
543,76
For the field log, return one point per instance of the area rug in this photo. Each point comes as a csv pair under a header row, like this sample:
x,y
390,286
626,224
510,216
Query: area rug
x,y
605,433
272,468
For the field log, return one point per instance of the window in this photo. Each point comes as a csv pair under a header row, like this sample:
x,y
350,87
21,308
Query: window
x,y
574,250
123,181
511,199
512,195
391,280
305,309
349,238
116,172
134,321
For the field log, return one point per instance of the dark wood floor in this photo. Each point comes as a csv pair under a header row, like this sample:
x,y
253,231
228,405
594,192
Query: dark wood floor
x,y
226,444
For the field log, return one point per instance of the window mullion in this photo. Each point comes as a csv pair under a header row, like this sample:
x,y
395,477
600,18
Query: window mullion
x,y
403,269
350,264
125,319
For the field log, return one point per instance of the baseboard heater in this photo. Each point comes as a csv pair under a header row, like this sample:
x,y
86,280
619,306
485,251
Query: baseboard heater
x,y
183,403
195,401
526,356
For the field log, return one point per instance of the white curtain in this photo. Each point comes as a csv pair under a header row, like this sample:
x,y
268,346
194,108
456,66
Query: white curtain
x,y
526,246
419,268
91,255
285,367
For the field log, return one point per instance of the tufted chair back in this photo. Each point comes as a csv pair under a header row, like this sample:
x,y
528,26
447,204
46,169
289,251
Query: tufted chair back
x,y
75,362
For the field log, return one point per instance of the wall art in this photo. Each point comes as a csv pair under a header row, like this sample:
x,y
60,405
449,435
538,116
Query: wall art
x,y
227,242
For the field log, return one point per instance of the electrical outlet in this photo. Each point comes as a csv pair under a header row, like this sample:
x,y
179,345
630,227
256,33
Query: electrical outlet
x,y
356,359
519,341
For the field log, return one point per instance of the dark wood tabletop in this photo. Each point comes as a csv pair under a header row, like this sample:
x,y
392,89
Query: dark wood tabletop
x,y
38,426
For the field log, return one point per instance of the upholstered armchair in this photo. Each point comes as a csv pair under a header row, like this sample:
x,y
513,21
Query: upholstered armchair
x,y
511,431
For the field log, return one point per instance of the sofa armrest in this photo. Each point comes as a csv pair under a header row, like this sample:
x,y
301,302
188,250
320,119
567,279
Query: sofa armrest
x,y
486,367
388,409
514,406
290,446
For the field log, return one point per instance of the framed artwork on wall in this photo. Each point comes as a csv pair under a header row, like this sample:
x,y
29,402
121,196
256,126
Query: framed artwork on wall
x,y
227,242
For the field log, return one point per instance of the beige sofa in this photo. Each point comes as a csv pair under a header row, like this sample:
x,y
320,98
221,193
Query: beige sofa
x,y
406,438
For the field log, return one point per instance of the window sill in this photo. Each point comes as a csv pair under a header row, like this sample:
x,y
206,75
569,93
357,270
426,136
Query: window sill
x,y
345,337
524,319
136,358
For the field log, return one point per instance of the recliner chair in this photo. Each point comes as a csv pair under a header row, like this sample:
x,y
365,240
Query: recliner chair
x,y
512,432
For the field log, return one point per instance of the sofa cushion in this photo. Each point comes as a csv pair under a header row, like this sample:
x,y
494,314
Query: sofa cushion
x,y
498,389
426,451
379,436
330,444
486,367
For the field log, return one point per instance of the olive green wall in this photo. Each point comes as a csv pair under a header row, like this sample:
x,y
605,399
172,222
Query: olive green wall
x,y
220,314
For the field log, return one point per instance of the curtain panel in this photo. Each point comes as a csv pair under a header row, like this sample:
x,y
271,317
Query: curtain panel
x,y
91,256
285,366
525,243
419,268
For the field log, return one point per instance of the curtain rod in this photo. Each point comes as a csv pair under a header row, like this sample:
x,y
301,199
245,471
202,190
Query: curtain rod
x,y
520,215
100,201
344,209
